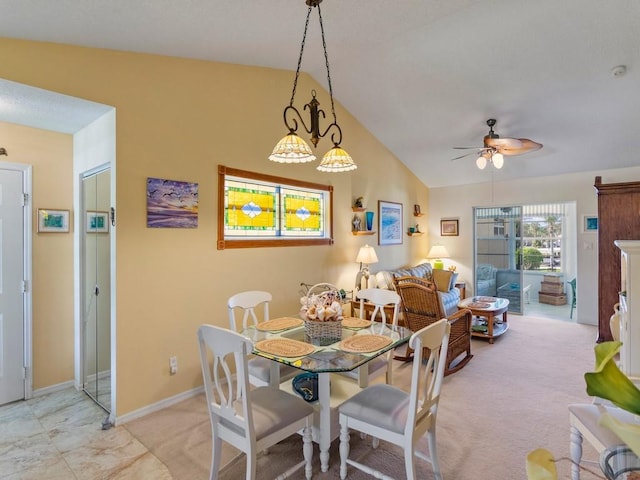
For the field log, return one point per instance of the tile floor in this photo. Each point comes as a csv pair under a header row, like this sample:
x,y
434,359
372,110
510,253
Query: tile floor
x,y
59,436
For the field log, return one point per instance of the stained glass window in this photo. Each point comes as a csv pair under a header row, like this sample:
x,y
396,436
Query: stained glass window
x,y
262,210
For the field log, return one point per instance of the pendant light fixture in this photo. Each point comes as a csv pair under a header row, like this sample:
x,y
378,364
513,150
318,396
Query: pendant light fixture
x,y
292,148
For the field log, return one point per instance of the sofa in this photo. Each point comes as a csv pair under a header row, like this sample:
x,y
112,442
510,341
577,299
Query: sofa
x,y
486,282
444,280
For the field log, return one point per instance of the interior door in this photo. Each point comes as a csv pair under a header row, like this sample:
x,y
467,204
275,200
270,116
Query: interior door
x,y
12,276
96,259
497,247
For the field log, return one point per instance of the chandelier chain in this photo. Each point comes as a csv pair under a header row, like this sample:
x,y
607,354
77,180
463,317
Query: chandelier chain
x,y
304,39
326,61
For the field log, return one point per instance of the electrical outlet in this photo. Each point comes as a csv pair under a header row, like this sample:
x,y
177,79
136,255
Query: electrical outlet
x,y
173,365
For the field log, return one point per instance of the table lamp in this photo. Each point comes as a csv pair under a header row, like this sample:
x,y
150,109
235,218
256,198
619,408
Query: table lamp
x,y
366,256
438,252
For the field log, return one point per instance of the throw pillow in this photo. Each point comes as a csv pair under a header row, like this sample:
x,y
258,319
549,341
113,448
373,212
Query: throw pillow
x,y
442,279
454,279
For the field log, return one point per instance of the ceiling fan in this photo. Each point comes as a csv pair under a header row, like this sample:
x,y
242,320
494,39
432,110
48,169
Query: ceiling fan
x,y
495,148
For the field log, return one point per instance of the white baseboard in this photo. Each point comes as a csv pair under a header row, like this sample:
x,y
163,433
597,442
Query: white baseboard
x,y
54,388
154,407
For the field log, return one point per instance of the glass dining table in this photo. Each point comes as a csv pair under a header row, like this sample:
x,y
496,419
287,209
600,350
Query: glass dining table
x,y
327,361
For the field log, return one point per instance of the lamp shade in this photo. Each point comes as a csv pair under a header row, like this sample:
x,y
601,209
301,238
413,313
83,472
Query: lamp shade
x,y
498,160
292,149
481,162
438,251
367,255
337,160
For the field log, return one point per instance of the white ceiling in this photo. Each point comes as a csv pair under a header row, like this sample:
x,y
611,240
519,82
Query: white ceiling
x,y
422,75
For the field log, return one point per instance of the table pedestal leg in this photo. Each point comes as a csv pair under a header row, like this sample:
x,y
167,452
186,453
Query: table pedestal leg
x,y
490,327
274,374
324,397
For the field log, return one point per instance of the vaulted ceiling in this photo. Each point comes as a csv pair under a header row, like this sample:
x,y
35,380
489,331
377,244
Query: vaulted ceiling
x,y
422,75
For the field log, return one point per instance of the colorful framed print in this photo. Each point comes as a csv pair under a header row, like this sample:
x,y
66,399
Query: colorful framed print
x,y
171,204
449,228
589,223
390,223
53,221
97,222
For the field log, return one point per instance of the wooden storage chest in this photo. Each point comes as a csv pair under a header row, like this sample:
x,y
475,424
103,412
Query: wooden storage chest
x,y
552,278
552,299
554,288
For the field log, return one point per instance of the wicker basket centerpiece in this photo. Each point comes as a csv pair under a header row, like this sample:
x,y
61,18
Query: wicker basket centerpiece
x,y
322,314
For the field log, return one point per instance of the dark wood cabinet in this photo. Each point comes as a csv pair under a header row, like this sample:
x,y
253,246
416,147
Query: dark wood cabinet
x,y
618,219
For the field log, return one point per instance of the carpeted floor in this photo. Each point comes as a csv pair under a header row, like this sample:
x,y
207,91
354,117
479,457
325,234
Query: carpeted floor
x,y
511,398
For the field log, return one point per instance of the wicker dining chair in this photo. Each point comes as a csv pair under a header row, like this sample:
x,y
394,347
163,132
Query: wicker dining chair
x,y
421,306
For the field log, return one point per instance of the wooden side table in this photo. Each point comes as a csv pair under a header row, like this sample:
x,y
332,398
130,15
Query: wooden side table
x,y
462,286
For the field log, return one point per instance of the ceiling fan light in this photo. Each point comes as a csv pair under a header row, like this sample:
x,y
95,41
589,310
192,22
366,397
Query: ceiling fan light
x,y
481,162
498,160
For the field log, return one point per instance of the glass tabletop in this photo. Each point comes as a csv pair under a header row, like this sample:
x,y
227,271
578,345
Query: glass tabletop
x,y
329,358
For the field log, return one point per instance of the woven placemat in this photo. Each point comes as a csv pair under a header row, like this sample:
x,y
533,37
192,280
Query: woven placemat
x,y
364,343
478,305
284,347
486,299
277,324
354,322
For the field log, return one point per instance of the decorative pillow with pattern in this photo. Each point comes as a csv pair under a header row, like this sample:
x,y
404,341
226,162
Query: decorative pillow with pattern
x,y
422,271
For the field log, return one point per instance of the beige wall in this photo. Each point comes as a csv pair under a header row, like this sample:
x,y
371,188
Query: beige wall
x,y
179,119
50,154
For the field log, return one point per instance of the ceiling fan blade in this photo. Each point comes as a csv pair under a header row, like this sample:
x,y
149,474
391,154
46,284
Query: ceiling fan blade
x,y
468,148
526,147
502,142
465,155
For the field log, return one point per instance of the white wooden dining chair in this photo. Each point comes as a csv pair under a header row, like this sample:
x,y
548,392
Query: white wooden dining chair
x,y
380,298
251,420
388,413
247,303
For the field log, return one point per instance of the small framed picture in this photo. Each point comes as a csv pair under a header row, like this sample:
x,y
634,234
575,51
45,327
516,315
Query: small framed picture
x,y
589,223
97,222
416,210
449,228
55,221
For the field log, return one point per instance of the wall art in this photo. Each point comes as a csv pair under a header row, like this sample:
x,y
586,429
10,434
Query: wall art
x,y
97,222
390,223
54,221
171,204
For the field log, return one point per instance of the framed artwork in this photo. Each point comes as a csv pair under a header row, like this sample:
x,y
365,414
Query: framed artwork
x,y
97,222
390,223
449,228
55,221
589,223
171,204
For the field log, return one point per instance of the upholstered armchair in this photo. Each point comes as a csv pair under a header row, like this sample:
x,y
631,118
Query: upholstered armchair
x,y
486,280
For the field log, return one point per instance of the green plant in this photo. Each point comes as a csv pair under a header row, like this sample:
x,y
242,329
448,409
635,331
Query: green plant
x,y
531,258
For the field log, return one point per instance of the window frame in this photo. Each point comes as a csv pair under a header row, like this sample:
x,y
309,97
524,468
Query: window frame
x,y
257,241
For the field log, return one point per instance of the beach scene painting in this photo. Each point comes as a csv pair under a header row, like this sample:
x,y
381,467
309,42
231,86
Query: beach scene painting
x,y
390,227
171,204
